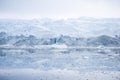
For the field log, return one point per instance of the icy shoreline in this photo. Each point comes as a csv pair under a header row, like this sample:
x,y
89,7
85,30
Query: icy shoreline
x,y
55,47
36,74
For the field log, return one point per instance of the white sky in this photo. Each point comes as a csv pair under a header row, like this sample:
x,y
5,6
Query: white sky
x,y
59,8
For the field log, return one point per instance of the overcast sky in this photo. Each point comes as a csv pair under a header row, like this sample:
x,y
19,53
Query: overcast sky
x,y
59,8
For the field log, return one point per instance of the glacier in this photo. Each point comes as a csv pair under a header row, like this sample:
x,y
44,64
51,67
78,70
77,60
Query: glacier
x,y
71,49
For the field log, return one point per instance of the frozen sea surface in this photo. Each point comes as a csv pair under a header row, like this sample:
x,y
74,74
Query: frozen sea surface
x,y
59,64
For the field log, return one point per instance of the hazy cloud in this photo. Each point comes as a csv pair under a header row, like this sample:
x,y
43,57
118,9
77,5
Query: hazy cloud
x,y
59,8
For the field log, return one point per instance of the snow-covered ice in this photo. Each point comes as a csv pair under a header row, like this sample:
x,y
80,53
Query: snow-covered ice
x,y
59,64
33,74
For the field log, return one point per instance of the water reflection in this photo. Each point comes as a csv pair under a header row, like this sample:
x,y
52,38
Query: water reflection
x,y
80,59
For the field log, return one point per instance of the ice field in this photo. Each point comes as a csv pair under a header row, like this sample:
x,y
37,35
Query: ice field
x,y
59,64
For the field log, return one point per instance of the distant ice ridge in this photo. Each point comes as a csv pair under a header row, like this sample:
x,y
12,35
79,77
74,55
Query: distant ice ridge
x,y
59,41
81,27
70,32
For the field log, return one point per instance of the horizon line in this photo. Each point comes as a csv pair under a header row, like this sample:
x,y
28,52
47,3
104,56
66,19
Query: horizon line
x,y
51,18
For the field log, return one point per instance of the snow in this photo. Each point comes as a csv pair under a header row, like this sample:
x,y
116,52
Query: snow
x,y
34,74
